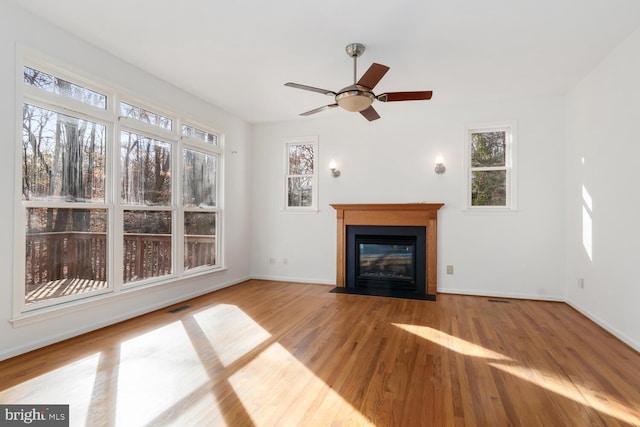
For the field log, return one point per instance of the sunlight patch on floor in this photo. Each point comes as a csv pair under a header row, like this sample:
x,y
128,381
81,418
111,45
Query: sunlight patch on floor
x,y
270,387
582,395
74,379
452,343
202,411
157,370
579,394
231,332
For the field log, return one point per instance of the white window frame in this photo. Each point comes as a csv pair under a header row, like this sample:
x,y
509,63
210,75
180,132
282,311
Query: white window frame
x,y
144,130
510,128
306,140
139,124
110,117
27,94
216,150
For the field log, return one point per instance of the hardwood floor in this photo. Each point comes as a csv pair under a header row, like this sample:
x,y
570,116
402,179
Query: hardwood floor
x,y
282,354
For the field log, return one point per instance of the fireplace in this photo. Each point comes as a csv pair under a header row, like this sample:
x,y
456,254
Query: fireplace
x,y
386,257
398,219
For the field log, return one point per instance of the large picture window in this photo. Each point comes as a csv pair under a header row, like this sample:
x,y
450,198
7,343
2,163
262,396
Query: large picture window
x,y
490,168
114,194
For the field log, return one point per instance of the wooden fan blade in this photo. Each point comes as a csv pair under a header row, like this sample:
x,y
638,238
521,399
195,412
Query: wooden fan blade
x,y
311,88
405,96
317,110
373,75
370,114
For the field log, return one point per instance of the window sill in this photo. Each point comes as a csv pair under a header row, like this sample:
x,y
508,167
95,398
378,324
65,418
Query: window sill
x,y
51,312
490,211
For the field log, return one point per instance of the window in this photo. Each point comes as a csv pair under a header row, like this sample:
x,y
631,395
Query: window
x,y
200,164
138,113
145,181
63,195
301,174
86,233
64,88
198,134
490,176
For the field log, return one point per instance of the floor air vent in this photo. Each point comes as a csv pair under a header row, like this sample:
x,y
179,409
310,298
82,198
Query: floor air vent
x,y
177,309
503,301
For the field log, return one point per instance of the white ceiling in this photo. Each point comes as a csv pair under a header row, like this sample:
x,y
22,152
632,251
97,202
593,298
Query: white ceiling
x,y
238,54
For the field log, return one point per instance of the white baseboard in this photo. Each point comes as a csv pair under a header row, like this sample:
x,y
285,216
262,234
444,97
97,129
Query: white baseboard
x,y
553,298
606,326
295,280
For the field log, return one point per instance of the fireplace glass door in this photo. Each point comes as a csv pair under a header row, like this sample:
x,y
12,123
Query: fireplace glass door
x,y
386,261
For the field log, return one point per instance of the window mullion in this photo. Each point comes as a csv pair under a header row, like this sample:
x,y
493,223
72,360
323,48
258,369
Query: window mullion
x,y
489,168
117,229
178,209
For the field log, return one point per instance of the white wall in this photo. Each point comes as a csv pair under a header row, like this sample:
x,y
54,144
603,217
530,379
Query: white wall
x,y
20,28
391,160
603,152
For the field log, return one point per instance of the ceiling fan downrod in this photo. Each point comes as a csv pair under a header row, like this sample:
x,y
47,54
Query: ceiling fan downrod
x,y
354,50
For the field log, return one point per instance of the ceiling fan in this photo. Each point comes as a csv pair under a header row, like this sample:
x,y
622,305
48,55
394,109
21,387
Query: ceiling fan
x,y
359,96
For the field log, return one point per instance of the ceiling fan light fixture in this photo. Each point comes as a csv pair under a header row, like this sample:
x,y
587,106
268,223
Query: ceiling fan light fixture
x,y
355,99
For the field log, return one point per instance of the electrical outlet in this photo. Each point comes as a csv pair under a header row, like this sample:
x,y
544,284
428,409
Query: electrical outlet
x,y
272,260
581,283
449,269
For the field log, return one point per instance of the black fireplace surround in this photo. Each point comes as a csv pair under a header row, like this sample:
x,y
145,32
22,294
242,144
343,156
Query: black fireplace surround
x,y
386,260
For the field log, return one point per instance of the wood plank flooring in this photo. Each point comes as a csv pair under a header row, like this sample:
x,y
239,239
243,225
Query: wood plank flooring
x,y
282,354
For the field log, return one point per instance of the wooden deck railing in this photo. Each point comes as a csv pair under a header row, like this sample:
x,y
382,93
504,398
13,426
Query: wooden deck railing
x,y
83,255
54,256
146,255
199,250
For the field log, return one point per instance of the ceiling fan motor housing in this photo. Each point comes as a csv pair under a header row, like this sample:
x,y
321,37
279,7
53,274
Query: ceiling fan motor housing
x,y
355,98
354,49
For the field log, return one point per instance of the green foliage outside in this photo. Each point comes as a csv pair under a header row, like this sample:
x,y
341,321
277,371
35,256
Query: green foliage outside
x,y
488,176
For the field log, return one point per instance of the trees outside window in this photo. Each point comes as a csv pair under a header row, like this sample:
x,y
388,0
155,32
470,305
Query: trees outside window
x,y
145,170
199,199
63,193
145,180
76,138
301,174
490,167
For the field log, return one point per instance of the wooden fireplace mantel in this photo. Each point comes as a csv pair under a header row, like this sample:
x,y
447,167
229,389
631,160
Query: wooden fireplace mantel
x,y
402,214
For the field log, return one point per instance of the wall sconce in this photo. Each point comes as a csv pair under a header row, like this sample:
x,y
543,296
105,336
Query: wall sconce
x,y
440,169
334,168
